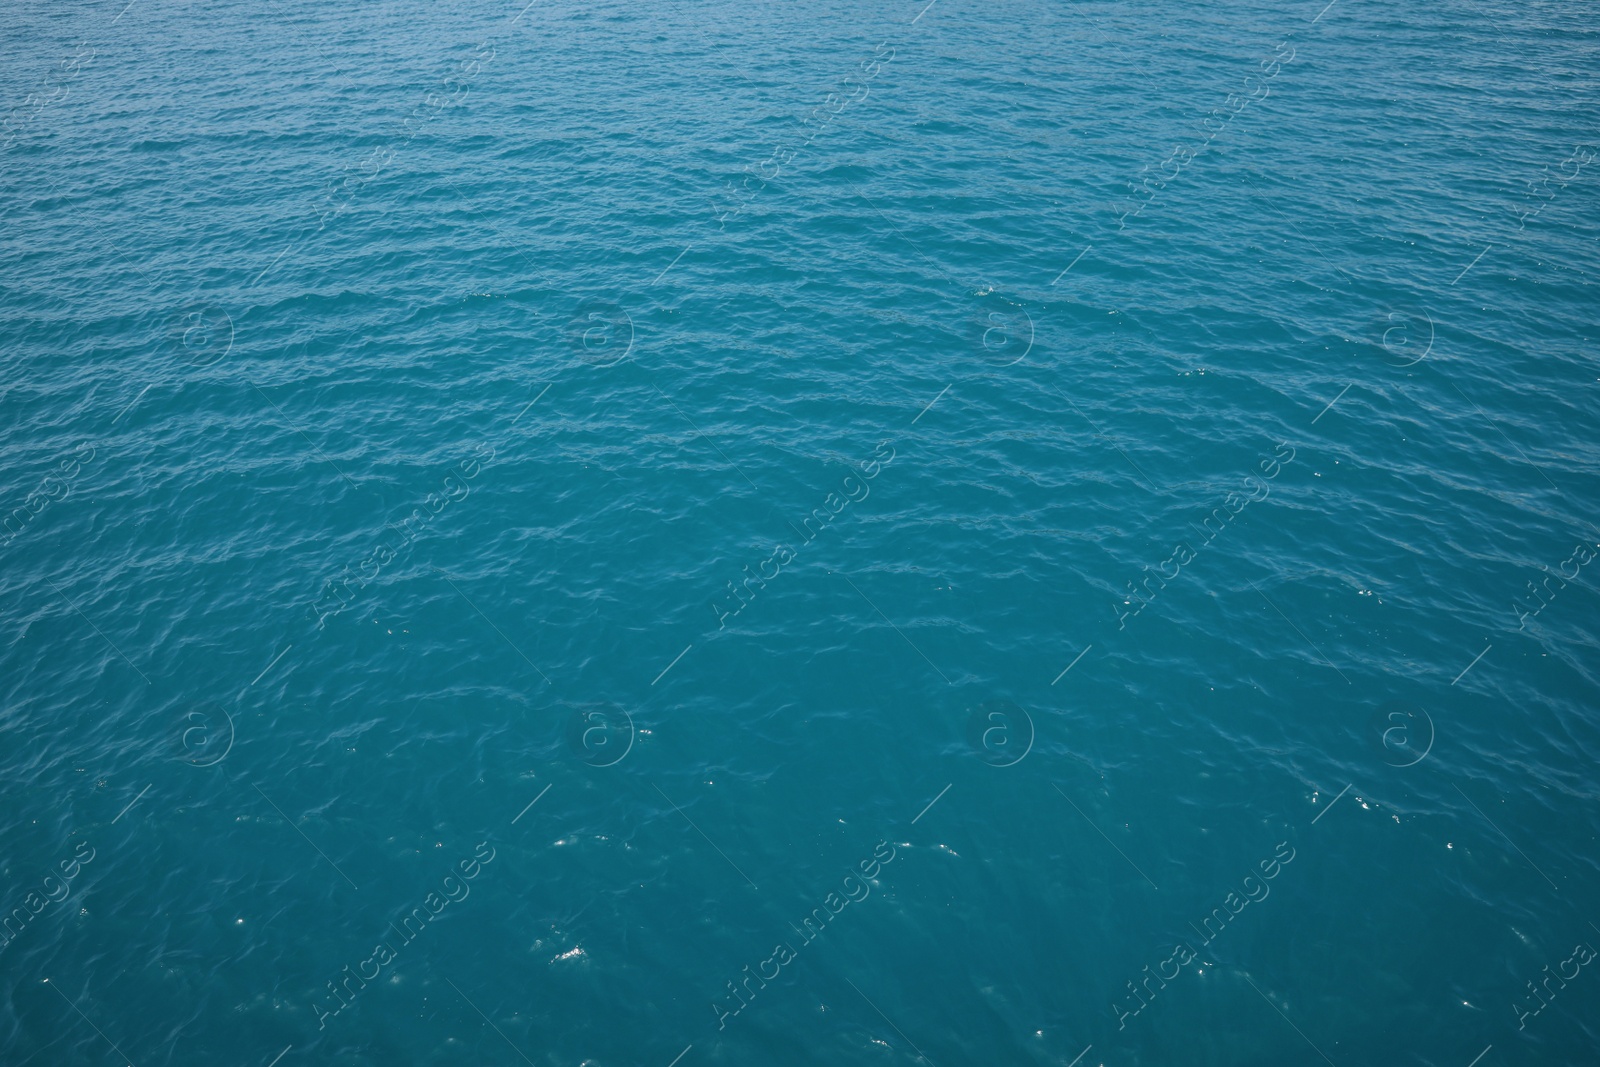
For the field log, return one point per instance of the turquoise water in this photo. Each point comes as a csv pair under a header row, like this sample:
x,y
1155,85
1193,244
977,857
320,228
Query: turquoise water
x,y
850,534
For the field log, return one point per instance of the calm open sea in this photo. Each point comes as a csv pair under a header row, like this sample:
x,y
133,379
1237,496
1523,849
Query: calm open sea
x,y
663,535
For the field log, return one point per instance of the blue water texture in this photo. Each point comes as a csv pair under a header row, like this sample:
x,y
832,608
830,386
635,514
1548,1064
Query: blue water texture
x,y
664,535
